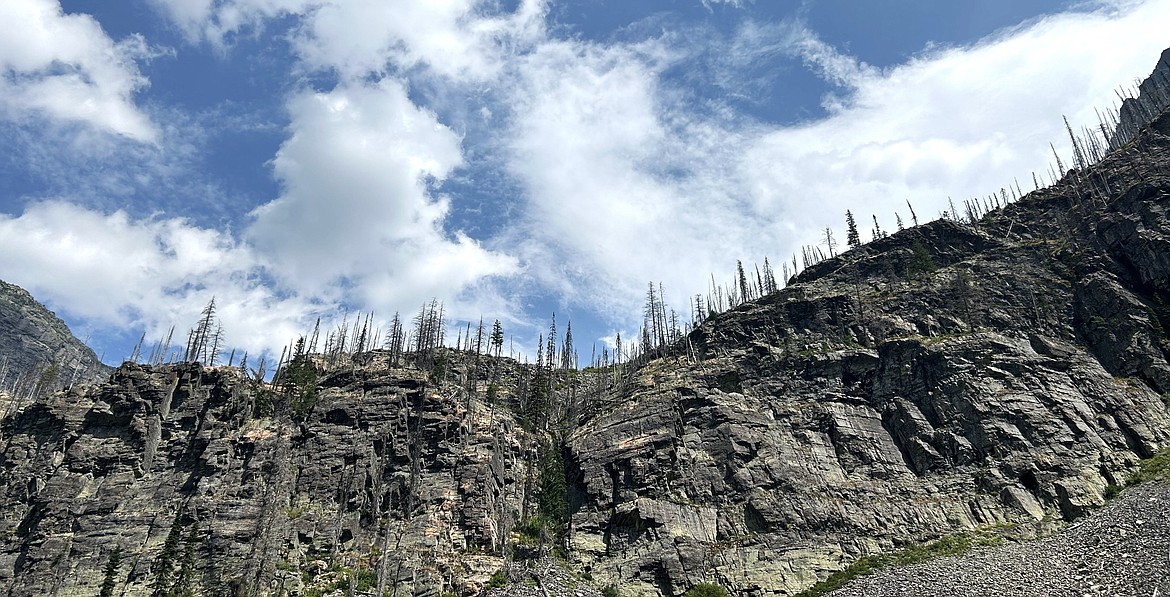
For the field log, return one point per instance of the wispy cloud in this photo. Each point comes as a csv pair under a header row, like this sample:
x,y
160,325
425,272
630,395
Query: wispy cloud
x,y
627,182
459,39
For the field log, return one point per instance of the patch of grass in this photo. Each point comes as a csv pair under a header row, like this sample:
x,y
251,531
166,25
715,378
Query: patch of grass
x,y
950,545
1155,468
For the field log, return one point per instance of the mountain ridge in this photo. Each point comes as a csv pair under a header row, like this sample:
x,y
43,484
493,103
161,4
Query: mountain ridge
x,y
38,349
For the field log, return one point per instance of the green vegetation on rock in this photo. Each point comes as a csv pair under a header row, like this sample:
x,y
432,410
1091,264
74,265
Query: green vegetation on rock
x,y
1155,468
706,589
951,545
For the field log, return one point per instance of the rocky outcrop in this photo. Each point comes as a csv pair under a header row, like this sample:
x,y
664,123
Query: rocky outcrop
x,y
1153,96
388,484
35,344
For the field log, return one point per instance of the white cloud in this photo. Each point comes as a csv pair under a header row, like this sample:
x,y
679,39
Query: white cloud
x,y
624,177
458,39
65,67
627,183
624,186
146,275
956,122
358,208
709,3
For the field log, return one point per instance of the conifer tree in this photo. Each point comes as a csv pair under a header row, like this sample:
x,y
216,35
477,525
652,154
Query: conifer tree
x,y
497,337
110,582
852,238
743,283
567,348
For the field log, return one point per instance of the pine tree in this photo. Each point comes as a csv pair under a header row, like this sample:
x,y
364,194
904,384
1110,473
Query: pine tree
x,y
567,350
744,296
554,489
852,238
497,337
164,566
198,338
769,278
110,582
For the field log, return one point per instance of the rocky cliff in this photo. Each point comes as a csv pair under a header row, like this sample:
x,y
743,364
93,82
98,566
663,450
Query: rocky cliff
x,y
950,377
1005,372
35,344
387,483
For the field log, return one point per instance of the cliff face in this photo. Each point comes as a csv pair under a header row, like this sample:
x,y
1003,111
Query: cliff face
x,y
946,378
388,484
33,340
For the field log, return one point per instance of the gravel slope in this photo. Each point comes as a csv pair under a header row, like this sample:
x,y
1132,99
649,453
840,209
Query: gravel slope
x,y
1124,549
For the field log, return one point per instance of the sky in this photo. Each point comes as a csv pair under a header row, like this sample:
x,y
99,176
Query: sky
x,y
297,159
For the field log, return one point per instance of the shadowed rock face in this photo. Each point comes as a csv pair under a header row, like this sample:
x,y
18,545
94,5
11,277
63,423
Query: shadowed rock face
x,y
878,401
33,339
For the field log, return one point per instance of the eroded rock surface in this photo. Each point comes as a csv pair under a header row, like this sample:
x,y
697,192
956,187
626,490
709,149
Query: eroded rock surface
x,y
386,475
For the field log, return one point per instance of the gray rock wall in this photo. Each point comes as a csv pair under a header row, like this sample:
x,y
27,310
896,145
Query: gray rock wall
x,y
33,340
387,477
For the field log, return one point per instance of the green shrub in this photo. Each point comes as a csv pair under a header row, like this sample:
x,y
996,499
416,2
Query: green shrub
x,y
1112,491
706,589
499,579
610,591
366,580
921,261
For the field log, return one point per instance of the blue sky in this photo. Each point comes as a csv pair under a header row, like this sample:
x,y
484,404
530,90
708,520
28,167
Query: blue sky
x,y
306,158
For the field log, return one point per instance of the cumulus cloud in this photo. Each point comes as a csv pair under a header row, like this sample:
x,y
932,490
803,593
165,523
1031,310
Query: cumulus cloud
x,y
358,207
65,67
625,173
144,274
463,39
